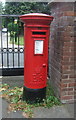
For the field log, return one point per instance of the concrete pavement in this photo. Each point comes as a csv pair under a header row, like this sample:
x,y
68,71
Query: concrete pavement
x,y
54,112
64,111
7,114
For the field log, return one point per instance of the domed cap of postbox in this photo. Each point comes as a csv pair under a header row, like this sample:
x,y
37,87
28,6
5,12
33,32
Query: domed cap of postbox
x,y
36,18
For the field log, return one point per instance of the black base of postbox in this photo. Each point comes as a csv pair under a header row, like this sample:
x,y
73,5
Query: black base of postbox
x,y
34,95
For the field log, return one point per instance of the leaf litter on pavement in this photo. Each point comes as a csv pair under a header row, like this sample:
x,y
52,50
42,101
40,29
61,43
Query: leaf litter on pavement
x,y
14,96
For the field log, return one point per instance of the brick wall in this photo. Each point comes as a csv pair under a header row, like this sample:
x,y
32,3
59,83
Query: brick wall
x,y
62,51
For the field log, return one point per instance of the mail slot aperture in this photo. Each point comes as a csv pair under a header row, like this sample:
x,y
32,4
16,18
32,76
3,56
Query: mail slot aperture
x,y
39,33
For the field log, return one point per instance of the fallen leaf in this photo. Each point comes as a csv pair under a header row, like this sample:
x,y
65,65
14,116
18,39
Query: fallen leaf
x,y
11,107
21,89
25,115
3,96
2,89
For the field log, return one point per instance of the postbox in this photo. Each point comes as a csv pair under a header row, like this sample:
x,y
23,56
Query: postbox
x,y
36,39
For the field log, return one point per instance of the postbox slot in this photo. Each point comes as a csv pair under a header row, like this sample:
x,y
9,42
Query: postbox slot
x,y
38,33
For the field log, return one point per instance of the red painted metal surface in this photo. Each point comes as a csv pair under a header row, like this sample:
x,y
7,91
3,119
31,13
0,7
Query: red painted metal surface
x,y
36,37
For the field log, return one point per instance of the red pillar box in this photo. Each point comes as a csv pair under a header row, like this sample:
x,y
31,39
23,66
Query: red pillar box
x,y
36,36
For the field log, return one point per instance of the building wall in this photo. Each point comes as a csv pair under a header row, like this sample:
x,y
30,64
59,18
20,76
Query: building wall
x,y
62,50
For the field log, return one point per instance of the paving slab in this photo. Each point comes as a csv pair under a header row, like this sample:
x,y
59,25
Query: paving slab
x,y
13,80
64,111
0,108
40,112
7,114
53,112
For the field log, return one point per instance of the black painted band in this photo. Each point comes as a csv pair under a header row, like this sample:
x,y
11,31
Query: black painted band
x,y
34,95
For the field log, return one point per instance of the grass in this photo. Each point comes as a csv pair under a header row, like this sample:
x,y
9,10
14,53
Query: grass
x,y
14,96
21,40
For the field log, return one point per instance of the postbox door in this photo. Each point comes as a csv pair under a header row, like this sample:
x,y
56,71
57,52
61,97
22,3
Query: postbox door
x,y
40,60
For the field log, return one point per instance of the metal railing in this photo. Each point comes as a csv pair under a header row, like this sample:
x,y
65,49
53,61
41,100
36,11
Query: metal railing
x,y
11,52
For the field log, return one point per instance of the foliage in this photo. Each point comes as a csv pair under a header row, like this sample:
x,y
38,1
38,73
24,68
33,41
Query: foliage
x,y
26,7
12,27
19,8
14,95
19,41
1,7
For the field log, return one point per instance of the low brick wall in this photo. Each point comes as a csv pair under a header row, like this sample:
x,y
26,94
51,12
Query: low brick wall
x,y
62,51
